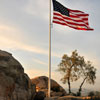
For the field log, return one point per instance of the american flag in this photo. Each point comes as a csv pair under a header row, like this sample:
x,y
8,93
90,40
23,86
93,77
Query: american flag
x,y
73,18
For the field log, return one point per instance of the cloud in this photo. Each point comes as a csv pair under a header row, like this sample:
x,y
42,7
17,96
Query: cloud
x,y
10,32
14,44
36,8
40,62
90,56
6,28
11,38
35,72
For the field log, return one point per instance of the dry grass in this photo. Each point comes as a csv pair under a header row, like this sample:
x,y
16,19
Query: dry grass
x,y
92,98
81,98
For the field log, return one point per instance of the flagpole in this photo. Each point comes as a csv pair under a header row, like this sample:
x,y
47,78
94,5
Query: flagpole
x,y
49,66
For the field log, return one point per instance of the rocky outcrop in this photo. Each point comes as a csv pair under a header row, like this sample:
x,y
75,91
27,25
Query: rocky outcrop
x,y
42,85
14,83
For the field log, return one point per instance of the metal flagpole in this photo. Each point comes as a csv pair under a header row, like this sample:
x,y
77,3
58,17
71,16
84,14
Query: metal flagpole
x,y
49,66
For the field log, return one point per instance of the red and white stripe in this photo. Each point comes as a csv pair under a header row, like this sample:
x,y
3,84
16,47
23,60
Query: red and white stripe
x,y
76,19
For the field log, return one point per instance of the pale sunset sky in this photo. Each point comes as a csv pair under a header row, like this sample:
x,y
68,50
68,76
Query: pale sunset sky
x,y
24,32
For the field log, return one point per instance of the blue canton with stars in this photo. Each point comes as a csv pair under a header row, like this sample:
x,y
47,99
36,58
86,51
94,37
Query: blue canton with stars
x,y
60,8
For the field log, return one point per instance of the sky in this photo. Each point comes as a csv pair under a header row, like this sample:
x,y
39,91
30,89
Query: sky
x,y
24,32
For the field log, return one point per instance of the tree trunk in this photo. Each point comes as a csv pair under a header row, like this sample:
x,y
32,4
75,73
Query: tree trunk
x,y
69,72
80,88
69,85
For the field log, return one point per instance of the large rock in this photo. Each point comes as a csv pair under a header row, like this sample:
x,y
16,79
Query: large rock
x,y
14,83
42,85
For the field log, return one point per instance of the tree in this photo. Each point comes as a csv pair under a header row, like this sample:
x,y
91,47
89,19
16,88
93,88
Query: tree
x,y
70,68
89,75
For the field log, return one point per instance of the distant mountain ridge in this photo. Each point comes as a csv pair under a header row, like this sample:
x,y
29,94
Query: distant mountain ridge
x,y
85,92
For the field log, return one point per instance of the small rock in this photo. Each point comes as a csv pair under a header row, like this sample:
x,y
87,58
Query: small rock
x,y
40,95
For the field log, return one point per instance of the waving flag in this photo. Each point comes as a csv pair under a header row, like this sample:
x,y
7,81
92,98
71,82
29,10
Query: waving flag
x,y
73,18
